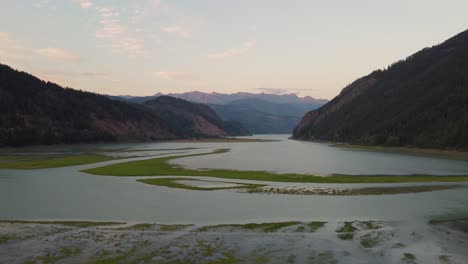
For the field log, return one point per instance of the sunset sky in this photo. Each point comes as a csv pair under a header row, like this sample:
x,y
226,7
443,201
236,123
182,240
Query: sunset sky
x,y
143,47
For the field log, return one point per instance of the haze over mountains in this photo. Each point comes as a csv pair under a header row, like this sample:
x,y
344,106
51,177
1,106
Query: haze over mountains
x,y
420,101
259,113
37,112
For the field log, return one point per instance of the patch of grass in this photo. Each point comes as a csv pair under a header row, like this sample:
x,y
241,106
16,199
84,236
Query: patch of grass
x,y
81,224
162,167
263,227
442,221
347,228
314,226
146,150
172,228
371,240
225,139
445,259
346,232
409,258
47,161
139,227
346,236
173,183
6,238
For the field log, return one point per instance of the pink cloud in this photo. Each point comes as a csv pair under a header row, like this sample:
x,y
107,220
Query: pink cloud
x,y
177,30
84,3
232,52
58,55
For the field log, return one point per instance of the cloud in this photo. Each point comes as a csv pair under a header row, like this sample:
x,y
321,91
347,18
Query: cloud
x,y
100,75
84,3
232,52
177,30
112,31
174,75
58,55
11,50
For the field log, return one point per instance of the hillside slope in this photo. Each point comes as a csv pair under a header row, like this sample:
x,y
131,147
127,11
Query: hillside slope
x,y
420,101
37,112
193,119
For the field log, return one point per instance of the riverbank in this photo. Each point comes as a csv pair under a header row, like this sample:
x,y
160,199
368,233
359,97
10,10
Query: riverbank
x,y
436,153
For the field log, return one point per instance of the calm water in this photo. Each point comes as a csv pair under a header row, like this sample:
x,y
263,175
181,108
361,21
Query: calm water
x,y
67,194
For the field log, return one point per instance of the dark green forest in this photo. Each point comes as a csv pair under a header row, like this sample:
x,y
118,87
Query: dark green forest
x,y
33,111
420,101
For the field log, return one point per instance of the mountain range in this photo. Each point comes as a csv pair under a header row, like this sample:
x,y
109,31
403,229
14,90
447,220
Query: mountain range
x,y
420,101
260,113
37,112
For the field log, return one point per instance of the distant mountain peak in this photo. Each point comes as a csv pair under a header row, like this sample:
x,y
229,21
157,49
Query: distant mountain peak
x,y
225,98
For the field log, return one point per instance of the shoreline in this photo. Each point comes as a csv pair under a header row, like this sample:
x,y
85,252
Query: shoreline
x,y
104,143
409,150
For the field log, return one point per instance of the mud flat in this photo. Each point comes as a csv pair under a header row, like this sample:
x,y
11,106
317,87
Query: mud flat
x,y
297,190
281,242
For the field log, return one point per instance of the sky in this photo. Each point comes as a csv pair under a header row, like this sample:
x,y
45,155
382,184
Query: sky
x,y
143,47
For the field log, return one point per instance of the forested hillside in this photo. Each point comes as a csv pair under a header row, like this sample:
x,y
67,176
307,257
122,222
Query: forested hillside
x,y
420,101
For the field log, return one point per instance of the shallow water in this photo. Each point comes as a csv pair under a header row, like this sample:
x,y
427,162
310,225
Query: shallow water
x,y
318,158
67,194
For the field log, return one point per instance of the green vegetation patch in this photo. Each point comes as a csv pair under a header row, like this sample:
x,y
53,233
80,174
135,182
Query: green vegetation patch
x,y
6,238
346,232
173,183
49,161
162,167
444,259
372,239
172,228
409,258
139,227
146,150
81,224
347,228
310,227
346,236
263,227
443,221
314,226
